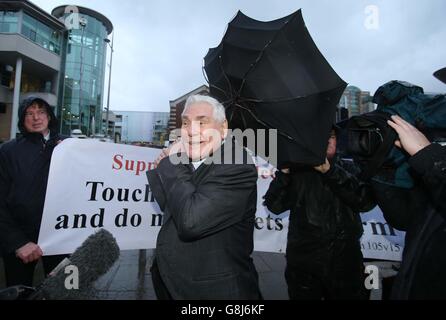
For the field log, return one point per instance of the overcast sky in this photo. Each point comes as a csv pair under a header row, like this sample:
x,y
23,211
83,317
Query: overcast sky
x,y
160,44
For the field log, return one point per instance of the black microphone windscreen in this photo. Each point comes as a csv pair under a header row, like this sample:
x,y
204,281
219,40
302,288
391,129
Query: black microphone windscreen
x,y
93,258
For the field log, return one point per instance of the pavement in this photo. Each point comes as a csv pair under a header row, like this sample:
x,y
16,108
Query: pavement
x,y
130,279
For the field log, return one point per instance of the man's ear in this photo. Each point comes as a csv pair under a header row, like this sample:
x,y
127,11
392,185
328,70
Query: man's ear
x,y
224,128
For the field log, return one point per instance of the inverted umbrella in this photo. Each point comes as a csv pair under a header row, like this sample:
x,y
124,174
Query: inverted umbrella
x,y
271,75
441,75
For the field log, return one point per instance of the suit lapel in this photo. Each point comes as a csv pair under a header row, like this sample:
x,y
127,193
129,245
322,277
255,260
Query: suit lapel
x,y
201,172
166,214
198,175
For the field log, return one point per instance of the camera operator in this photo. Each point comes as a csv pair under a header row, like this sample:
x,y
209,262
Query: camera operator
x,y
421,212
324,258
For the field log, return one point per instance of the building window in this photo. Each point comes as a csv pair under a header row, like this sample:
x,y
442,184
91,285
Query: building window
x,y
2,107
6,75
41,34
8,21
32,35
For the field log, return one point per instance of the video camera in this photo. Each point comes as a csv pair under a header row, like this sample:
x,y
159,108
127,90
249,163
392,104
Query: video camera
x,y
364,142
369,140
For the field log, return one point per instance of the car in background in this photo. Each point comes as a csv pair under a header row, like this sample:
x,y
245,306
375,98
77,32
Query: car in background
x,y
101,137
77,133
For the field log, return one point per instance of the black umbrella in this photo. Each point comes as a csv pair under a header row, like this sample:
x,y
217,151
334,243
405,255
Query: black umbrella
x,y
271,75
441,75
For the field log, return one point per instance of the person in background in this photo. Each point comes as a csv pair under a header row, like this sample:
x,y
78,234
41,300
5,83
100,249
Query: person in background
x,y
24,168
421,212
324,258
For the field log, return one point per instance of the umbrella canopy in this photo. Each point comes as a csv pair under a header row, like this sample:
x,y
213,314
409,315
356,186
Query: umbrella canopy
x,y
271,75
441,75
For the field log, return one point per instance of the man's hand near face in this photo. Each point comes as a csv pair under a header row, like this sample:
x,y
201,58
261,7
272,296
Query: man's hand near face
x,y
176,147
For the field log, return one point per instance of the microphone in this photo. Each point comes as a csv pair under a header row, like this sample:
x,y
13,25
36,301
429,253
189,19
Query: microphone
x,y
93,258
15,292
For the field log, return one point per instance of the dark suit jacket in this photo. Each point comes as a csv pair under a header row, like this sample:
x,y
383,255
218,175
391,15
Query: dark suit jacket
x,y
205,243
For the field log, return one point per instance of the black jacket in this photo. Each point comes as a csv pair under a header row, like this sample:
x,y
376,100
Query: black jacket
x,y
24,168
205,244
324,208
421,212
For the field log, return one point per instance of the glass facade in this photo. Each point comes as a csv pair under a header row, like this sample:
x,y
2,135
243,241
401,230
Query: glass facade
x,y
41,34
32,29
9,21
33,83
83,77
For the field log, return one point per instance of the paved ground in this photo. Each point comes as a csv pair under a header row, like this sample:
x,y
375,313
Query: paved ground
x,y
130,279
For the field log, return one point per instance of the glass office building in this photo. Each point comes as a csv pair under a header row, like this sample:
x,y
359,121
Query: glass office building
x,y
84,54
9,21
30,60
38,32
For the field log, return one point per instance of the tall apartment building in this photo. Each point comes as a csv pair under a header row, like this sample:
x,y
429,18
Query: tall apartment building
x,y
356,101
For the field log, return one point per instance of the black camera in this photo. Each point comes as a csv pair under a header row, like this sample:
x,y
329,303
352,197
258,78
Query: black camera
x,y
364,142
363,136
367,139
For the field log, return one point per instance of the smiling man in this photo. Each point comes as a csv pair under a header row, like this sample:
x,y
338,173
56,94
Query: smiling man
x,y
205,244
203,130
24,168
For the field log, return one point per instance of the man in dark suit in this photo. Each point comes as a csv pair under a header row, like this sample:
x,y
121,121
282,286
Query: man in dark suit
x,y
205,244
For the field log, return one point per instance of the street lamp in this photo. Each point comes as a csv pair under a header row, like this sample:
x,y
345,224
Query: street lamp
x,y
83,24
109,82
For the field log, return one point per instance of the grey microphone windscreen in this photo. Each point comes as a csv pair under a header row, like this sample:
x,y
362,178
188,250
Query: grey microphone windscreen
x,y
93,258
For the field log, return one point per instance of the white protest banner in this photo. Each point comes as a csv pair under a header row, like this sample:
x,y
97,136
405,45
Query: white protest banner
x,y
270,230
95,185
379,240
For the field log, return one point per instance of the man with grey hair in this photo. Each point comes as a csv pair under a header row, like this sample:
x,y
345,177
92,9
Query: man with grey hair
x,y
205,244
203,136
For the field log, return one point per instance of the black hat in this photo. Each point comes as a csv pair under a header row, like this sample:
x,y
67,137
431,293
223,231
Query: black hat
x,y
441,75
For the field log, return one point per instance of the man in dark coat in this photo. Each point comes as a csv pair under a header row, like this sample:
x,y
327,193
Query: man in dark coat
x,y
205,244
324,258
24,168
421,212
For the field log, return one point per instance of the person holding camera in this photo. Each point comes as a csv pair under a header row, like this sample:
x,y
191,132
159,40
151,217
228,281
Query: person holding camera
x,y
324,258
421,212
